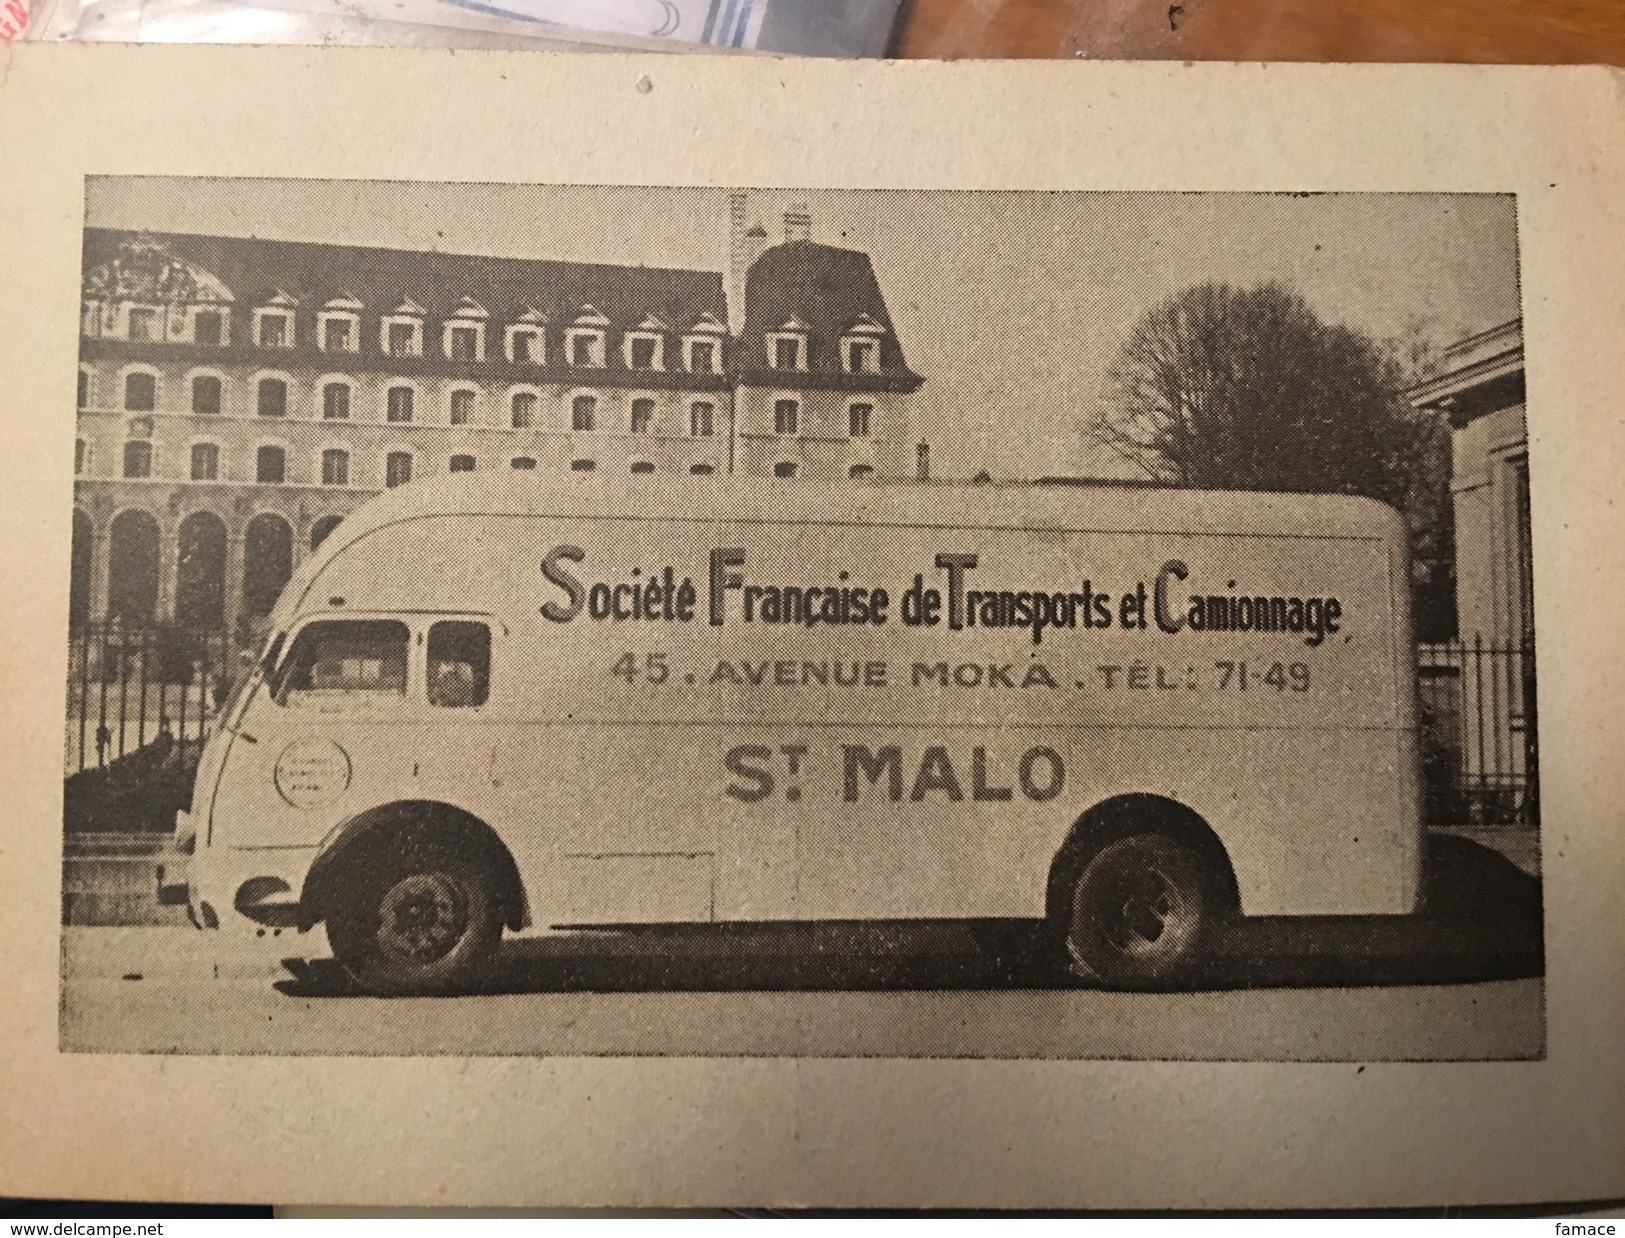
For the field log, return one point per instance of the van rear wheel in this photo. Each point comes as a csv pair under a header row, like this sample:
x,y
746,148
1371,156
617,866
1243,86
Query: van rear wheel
x,y
417,919
1139,912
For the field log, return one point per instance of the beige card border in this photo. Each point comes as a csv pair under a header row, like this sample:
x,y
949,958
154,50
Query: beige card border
x,y
947,1133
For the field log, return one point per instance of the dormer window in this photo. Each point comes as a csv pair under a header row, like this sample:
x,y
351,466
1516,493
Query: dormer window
x,y
404,339
338,326
141,323
702,346
338,334
401,330
643,352
860,346
787,347
463,335
273,322
525,344
584,341
644,347
702,356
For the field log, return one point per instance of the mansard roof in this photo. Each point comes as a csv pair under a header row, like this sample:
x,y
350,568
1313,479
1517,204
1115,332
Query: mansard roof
x,y
829,290
255,270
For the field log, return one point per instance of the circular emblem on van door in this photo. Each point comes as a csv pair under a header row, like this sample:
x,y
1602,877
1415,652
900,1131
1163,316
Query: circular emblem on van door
x,y
312,772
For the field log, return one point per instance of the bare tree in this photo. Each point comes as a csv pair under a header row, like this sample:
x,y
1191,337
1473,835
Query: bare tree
x,y
1232,388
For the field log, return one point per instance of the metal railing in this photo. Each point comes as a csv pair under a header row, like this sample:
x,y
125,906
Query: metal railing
x,y
136,688
1479,732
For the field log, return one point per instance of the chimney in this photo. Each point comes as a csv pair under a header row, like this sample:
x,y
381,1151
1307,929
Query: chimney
x,y
745,246
797,224
738,263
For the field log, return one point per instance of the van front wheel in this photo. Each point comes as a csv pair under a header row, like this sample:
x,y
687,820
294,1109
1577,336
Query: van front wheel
x,y
1140,910
415,920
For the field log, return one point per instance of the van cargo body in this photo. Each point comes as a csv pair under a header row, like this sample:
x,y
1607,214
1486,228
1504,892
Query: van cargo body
x,y
697,700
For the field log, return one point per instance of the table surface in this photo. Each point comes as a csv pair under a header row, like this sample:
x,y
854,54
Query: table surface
x,y
1462,31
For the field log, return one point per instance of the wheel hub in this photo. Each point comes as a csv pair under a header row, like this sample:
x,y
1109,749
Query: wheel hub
x,y
422,917
1142,910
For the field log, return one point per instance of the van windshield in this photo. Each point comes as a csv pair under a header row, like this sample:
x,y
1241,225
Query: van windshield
x,y
345,658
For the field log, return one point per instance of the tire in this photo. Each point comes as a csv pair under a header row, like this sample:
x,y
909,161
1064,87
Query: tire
x,y
1139,912
415,920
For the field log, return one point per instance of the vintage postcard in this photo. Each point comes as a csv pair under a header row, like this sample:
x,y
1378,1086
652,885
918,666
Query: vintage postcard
x,y
1086,636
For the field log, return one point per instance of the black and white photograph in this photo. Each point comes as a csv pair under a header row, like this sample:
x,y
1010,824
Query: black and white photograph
x,y
539,620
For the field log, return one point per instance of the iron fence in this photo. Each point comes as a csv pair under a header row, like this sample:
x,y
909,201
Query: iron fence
x,y
142,689
1479,732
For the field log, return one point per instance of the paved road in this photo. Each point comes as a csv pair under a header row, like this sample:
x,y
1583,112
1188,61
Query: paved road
x,y
937,990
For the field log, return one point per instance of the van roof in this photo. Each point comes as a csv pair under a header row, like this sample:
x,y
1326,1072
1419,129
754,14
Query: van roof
x,y
1105,508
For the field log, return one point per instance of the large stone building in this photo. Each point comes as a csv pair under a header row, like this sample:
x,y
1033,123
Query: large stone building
x,y
237,397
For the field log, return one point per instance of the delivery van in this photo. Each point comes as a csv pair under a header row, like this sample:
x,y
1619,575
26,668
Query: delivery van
x,y
511,704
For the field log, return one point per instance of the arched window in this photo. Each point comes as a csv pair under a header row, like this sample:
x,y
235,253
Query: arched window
x,y
84,539
701,419
336,402
857,416
859,471
397,468
270,465
399,404
786,416
583,412
462,464
140,392
335,467
462,407
267,562
785,468
642,466
524,410
523,462
701,470
273,398
206,395
320,530
583,466
643,413
132,585
138,459
200,572
205,462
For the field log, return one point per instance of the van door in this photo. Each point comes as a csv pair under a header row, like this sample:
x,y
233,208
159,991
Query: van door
x,y
460,666
331,732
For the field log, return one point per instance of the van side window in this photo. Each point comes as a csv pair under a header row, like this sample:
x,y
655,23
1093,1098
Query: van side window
x,y
459,664
335,658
